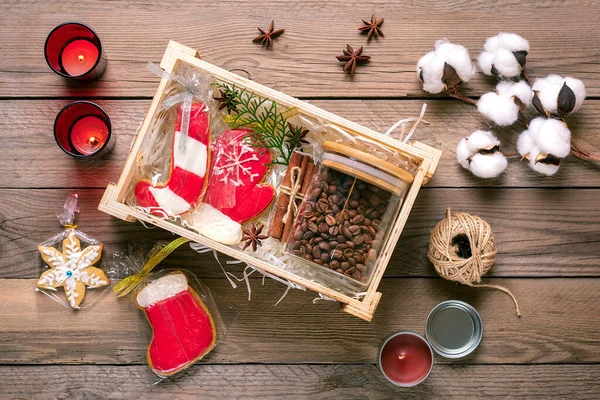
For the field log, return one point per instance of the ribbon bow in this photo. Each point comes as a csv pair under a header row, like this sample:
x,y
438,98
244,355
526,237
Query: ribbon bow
x,y
194,87
293,191
131,282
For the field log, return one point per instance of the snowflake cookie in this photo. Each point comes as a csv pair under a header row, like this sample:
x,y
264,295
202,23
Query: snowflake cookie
x,y
73,269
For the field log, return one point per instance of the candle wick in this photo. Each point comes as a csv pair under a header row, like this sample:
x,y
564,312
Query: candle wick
x,y
401,356
81,58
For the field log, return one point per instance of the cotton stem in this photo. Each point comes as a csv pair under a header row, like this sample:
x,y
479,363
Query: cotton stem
x,y
458,95
583,154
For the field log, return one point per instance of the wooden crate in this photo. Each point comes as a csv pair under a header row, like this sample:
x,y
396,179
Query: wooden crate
x,y
113,200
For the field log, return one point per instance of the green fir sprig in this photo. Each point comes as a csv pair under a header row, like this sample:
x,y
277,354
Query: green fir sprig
x,y
269,128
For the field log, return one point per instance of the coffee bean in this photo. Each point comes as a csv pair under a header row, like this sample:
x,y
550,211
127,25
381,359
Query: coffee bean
x,y
307,235
312,227
334,264
350,270
324,246
334,230
361,267
332,189
372,254
375,244
336,254
356,275
323,227
348,253
357,220
347,233
352,213
351,261
344,265
330,220
361,210
325,257
359,239
353,203
376,223
354,229
318,261
350,244
333,244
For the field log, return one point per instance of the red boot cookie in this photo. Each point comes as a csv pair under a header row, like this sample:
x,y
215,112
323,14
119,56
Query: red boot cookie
x,y
186,184
183,329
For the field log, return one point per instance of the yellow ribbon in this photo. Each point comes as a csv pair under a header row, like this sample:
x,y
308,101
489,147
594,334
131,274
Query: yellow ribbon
x,y
128,284
70,226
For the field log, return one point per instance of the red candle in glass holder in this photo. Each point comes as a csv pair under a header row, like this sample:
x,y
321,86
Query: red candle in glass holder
x,y
82,129
405,359
73,50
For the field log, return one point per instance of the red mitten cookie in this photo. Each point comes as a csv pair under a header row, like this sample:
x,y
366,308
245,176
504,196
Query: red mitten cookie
x,y
234,194
237,170
183,329
186,184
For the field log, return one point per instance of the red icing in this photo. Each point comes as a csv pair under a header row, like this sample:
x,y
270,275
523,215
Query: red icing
x,y
183,332
184,183
234,189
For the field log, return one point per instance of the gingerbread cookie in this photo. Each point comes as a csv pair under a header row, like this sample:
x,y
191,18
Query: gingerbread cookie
x,y
183,328
186,184
72,268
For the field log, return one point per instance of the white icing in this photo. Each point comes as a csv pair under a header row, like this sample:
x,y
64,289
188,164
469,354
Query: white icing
x,y
217,226
74,264
192,157
162,289
169,201
233,167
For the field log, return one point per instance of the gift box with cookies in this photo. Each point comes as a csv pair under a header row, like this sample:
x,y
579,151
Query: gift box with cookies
x,y
291,190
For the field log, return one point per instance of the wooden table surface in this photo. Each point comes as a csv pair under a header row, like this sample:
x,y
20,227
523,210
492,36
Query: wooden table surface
x,y
547,229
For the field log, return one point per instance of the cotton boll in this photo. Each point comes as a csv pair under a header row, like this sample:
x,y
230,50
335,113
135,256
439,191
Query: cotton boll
x,y
504,55
553,137
500,109
506,63
540,167
485,62
525,143
481,140
557,95
578,89
430,68
463,153
520,89
479,154
512,42
488,165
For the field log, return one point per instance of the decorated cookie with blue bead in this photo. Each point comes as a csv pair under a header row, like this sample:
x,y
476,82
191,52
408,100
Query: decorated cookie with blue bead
x,y
72,269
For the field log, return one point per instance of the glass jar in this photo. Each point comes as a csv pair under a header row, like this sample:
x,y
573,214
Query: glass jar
x,y
346,217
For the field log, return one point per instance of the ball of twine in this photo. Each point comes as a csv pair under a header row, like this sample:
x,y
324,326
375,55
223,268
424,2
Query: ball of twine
x,y
462,249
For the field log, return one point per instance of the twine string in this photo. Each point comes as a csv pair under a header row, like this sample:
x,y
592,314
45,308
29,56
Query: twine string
x,y
294,192
446,256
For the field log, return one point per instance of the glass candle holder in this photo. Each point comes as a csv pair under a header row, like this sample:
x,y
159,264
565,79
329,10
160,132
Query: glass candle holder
x,y
405,359
73,50
82,129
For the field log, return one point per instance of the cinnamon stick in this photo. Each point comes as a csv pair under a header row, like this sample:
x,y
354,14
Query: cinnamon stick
x,y
276,229
289,222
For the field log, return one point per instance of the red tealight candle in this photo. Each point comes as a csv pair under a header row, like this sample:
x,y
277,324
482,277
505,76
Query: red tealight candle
x,y
405,359
73,50
82,129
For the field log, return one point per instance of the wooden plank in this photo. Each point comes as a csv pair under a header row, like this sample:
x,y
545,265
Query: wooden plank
x,y
26,127
302,61
559,324
300,382
539,232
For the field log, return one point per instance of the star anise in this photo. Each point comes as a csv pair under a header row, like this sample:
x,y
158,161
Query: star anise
x,y
299,134
266,37
253,237
351,58
227,100
373,27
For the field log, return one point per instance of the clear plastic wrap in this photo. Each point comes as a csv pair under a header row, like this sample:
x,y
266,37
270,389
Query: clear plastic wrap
x,y
259,161
187,321
72,263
